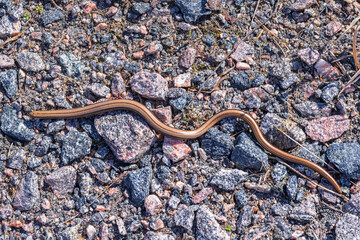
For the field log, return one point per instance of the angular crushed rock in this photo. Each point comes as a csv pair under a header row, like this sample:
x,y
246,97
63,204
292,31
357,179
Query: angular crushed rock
x,y
192,10
127,135
217,144
75,145
138,184
175,149
149,85
270,125
184,217
247,154
9,26
62,180
312,109
187,58
309,56
327,128
30,61
346,157
52,16
9,81
6,61
243,52
72,67
348,227
16,161
28,193
228,180
305,211
14,127
244,219
353,205
158,236
207,227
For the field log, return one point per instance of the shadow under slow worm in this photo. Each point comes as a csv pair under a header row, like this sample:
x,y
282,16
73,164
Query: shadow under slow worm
x,y
160,127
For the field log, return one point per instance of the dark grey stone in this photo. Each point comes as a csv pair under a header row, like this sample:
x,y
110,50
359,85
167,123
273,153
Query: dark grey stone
x,y
217,144
98,164
33,162
281,209
55,127
102,151
138,184
43,146
292,187
180,102
16,161
52,16
258,80
244,220
241,81
330,91
241,198
9,81
163,173
353,205
75,145
47,38
140,8
247,154
14,127
346,157
192,10
89,127
28,193
72,67
279,172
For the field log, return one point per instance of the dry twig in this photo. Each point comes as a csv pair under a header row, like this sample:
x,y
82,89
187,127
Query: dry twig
x,y
354,51
16,37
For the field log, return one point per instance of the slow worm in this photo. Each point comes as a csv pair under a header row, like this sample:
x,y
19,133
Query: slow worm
x,y
160,127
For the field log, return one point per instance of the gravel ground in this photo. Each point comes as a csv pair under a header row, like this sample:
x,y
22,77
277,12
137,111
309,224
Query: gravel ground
x,y
287,63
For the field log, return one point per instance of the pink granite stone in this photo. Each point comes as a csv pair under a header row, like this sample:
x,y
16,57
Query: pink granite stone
x,y
175,149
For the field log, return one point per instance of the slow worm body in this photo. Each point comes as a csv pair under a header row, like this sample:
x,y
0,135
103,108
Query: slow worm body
x,y
160,127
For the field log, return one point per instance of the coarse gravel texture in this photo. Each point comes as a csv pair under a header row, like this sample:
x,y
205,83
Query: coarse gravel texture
x,y
112,176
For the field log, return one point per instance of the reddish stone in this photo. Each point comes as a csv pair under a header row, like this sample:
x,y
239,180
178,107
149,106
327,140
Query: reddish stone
x,y
6,61
183,80
139,55
62,180
157,224
164,114
36,36
218,96
117,85
175,149
243,52
300,5
213,4
326,70
332,28
100,27
327,128
88,6
154,47
149,85
187,59
112,11
152,204
45,204
307,91
16,224
242,66
202,195
143,30
259,92
309,56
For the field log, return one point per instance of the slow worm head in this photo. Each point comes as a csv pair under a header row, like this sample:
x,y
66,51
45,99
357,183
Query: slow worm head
x,y
160,127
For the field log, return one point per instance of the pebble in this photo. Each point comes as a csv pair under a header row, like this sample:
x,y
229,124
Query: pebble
x,y
305,211
121,227
52,16
157,224
326,70
164,114
333,28
309,56
202,195
127,135
154,47
99,90
327,128
253,102
70,233
242,66
183,80
330,91
5,211
281,209
243,52
9,27
244,220
187,59
288,81
62,180
300,5
14,127
6,61
348,227
192,10
241,81
263,188
91,232
117,85
30,61
75,145
353,205
241,198
149,85
312,109
43,146
173,202
27,194
228,180
247,154
16,160
9,81
292,187
207,227
175,149
158,236
152,204
337,152
279,173
71,66
55,126
138,184
184,217
217,144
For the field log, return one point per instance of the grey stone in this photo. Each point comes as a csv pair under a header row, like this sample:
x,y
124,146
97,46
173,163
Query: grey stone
x,y
184,217
292,187
192,10
75,145
348,227
138,184
14,127
9,81
72,67
330,91
62,180
217,144
228,179
16,161
244,220
30,61
52,16
241,198
279,172
207,227
9,26
247,154
28,193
